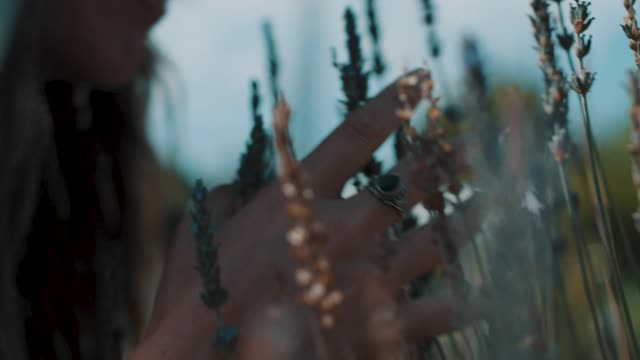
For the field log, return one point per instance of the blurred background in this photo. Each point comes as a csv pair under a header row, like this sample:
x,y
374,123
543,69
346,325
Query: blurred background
x,y
215,48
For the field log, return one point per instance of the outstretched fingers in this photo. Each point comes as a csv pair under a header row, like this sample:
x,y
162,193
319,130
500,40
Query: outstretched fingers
x,y
420,250
365,215
429,317
347,150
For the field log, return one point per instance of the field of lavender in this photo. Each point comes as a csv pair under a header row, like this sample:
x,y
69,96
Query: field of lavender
x,y
552,253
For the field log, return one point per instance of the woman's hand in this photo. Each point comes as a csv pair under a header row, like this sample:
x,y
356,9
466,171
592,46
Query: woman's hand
x,y
257,269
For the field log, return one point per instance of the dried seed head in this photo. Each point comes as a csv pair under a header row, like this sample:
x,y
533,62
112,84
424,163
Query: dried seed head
x,y
297,236
582,83
304,277
315,293
583,46
631,31
540,20
289,189
555,102
307,238
580,16
328,321
565,40
332,300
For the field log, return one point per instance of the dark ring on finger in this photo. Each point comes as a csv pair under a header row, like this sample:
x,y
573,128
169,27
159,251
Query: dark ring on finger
x,y
390,189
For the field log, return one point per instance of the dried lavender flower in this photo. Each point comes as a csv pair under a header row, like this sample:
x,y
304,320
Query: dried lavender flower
x,y
631,30
583,46
429,20
374,31
582,83
273,62
213,294
355,82
565,40
256,164
555,96
580,16
354,77
541,22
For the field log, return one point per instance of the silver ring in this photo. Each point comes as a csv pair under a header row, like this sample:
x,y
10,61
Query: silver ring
x,y
390,189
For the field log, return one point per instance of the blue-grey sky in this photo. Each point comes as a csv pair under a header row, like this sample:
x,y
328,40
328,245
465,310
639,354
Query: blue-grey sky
x,y
217,48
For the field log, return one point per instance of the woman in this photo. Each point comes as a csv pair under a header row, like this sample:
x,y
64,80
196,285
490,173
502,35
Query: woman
x,y
75,178
75,78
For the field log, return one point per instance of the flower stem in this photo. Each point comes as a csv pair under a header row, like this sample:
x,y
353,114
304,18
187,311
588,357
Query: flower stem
x,y
563,25
608,236
582,253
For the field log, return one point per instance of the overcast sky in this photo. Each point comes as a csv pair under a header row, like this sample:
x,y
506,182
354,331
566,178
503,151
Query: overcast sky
x,y
217,48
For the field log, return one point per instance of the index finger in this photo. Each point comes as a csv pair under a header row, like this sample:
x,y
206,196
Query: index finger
x,y
350,146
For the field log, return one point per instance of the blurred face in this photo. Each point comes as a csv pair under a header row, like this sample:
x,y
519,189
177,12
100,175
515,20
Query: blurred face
x,y
98,41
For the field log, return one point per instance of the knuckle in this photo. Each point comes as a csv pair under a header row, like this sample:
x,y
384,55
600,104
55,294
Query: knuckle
x,y
360,129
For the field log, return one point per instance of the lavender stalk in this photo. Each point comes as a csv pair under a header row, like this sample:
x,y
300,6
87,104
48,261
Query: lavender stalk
x,y
581,83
